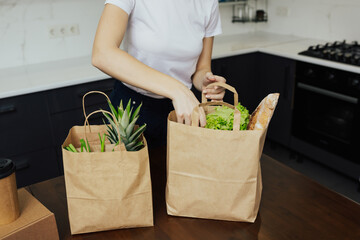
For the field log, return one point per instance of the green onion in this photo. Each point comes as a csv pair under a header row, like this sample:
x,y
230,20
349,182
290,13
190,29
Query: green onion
x,y
102,143
83,145
72,148
88,146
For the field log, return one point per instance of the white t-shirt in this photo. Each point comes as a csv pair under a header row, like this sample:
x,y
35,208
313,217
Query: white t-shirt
x,y
167,34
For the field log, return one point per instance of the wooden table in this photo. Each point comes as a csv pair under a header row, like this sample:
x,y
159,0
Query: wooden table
x,y
292,207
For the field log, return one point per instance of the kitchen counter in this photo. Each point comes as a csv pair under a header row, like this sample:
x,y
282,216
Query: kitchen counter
x,y
51,75
45,76
280,45
292,207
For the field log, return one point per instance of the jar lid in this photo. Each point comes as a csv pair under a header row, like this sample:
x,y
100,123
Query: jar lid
x,y
7,167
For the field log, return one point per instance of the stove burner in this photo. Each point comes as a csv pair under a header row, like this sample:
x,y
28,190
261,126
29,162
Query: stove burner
x,y
337,51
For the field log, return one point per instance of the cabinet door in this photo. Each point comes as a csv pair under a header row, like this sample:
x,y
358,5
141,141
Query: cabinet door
x,y
239,72
277,74
66,110
35,167
69,98
63,121
24,124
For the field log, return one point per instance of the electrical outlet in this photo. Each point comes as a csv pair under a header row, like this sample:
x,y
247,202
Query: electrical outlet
x,y
61,31
282,11
74,29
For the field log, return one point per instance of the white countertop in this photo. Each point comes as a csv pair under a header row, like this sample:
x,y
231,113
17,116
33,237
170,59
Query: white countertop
x,y
280,45
51,75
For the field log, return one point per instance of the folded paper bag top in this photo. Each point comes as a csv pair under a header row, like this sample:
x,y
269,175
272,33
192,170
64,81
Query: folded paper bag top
x,y
9,210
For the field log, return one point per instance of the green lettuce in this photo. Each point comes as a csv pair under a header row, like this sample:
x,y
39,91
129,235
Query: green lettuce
x,y
222,118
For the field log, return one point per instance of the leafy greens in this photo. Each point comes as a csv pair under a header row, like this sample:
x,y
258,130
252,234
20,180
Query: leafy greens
x,y
223,117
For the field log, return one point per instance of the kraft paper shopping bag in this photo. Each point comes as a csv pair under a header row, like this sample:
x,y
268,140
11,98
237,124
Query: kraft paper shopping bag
x,y
106,190
214,174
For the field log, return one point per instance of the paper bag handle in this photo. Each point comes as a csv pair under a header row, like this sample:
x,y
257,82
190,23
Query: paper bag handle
x,y
224,85
88,93
86,123
204,102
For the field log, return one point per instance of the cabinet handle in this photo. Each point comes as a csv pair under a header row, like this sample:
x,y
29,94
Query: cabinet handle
x,y
7,109
328,93
22,164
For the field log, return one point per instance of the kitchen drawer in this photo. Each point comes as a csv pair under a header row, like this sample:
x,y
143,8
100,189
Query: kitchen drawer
x,y
69,98
62,122
35,167
24,124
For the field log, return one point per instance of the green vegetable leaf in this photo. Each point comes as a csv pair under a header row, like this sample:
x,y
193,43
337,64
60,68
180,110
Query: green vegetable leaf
x,y
223,117
113,110
73,149
136,113
83,145
88,146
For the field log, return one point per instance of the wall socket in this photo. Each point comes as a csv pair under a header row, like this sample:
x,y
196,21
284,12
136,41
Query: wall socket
x,y
282,11
66,30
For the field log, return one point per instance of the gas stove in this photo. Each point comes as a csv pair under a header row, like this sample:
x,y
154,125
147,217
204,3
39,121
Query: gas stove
x,y
343,52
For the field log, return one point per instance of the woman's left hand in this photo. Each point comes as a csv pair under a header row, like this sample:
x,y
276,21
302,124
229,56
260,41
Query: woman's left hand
x,y
214,93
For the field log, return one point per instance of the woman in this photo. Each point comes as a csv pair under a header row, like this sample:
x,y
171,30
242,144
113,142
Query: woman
x,y
167,49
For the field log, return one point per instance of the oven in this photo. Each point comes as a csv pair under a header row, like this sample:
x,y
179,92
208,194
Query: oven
x,y
326,109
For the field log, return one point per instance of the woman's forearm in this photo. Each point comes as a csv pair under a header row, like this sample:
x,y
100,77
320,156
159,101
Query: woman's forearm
x,y
203,75
203,66
199,77
109,58
119,64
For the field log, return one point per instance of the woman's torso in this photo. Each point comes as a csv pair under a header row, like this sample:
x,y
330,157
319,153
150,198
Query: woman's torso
x,y
167,35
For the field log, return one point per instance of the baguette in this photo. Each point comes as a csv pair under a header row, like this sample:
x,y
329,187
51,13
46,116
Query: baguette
x,y
262,115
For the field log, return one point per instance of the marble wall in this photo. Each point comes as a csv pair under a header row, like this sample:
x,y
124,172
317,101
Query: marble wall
x,y
329,20
25,24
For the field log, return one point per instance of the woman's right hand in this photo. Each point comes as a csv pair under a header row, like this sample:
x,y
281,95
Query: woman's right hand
x,y
184,103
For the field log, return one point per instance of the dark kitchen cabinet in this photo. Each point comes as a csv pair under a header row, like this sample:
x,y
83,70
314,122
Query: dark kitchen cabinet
x,y
22,120
256,75
69,98
66,109
33,167
33,127
26,137
66,106
277,74
240,72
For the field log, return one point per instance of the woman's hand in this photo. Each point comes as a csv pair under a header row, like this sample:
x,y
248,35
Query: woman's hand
x,y
184,103
214,93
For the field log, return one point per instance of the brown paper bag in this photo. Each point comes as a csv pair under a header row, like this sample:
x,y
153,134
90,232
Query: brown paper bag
x,y
213,174
106,190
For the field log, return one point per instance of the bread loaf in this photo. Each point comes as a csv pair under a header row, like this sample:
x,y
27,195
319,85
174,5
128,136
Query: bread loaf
x,y
261,117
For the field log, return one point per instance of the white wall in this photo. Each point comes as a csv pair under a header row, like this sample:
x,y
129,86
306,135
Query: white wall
x,y
24,25
328,20
320,19
235,28
24,30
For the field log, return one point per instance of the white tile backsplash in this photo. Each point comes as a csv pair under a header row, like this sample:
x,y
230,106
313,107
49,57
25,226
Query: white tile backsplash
x,y
24,30
328,20
24,25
